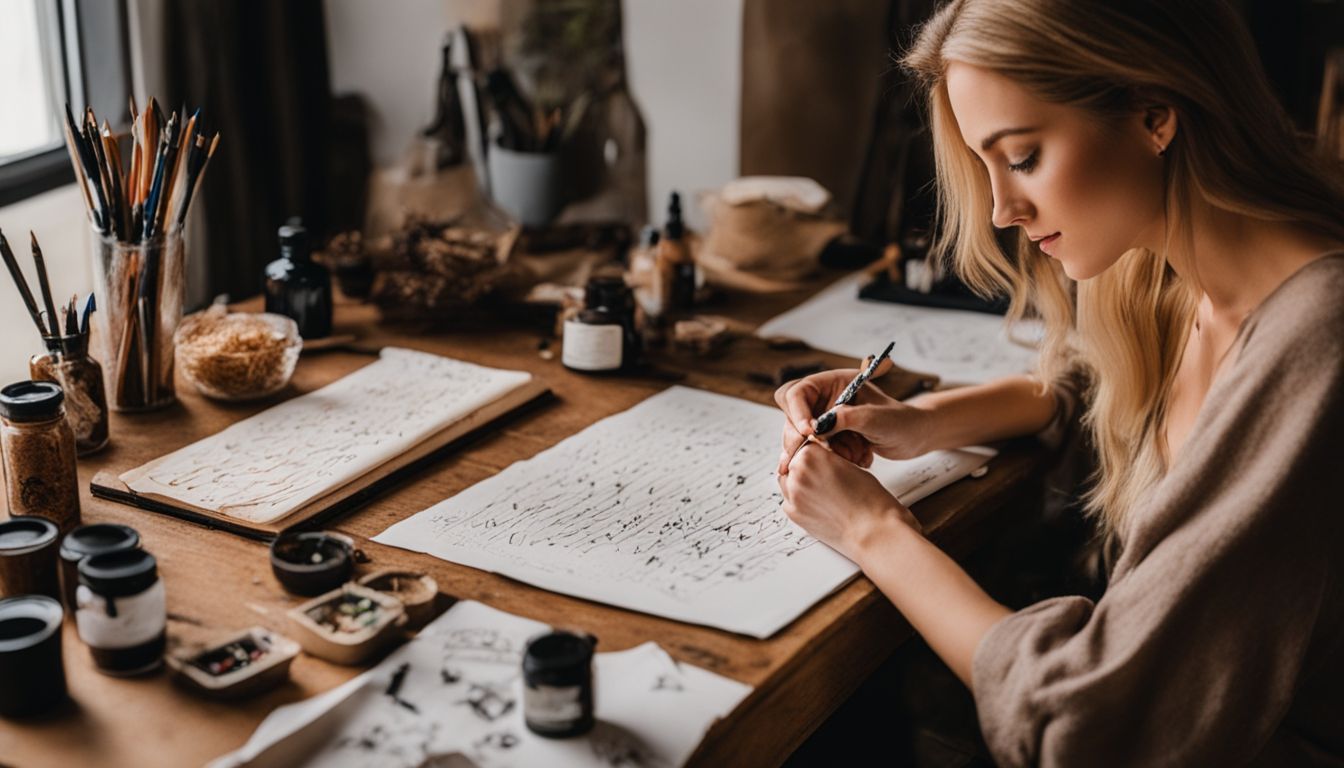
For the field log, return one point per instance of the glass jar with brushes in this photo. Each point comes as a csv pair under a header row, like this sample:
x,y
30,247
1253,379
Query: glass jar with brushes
x,y
141,286
138,212
67,363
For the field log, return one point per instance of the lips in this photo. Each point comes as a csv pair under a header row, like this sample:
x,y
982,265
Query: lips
x,y
1047,243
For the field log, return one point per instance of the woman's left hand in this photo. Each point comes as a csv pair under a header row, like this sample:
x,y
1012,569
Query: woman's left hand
x,y
839,503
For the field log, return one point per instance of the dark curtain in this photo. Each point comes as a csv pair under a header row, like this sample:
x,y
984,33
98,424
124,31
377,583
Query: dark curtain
x,y
258,70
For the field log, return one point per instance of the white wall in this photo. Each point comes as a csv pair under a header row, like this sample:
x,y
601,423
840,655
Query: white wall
x,y
684,61
683,58
59,220
390,54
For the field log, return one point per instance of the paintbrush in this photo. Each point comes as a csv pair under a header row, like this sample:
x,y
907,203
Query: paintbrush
x,y
90,306
42,283
22,284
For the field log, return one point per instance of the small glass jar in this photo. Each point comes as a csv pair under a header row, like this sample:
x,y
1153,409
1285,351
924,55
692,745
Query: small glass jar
x,y
558,684
81,377
121,611
39,453
594,342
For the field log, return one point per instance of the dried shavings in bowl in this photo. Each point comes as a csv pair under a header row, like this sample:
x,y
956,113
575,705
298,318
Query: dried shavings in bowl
x,y
235,355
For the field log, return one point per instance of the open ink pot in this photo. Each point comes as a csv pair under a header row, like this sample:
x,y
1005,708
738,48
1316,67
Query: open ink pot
x,y
312,563
558,684
31,668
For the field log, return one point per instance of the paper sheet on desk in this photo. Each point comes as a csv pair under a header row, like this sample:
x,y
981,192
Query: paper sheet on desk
x,y
670,508
961,347
463,688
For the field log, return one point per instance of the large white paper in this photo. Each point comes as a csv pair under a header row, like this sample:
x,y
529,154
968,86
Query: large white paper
x,y
459,703
671,508
961,347
267,466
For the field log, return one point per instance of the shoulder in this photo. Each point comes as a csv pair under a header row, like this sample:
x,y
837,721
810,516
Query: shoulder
x,y
1303,319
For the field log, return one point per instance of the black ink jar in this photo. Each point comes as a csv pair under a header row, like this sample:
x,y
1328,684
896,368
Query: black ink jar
x,y
121,611
558,684
32,676
602,337
297,286
313,562
87,541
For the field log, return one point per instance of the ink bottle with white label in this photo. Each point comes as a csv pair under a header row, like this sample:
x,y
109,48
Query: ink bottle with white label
x,y
121,612
602,337
558,684
594,342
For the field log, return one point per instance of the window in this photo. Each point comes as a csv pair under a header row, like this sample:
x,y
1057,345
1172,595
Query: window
x,y
53,52
31,89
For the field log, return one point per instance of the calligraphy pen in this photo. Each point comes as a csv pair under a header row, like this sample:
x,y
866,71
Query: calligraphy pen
x,y
826,421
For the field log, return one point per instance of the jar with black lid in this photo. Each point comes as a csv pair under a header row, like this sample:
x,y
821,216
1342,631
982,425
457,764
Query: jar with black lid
x,y
602,337
121,611
87,541
39,453
558,684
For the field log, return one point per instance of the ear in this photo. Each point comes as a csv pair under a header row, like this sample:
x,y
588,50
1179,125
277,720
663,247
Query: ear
x,y
1159,125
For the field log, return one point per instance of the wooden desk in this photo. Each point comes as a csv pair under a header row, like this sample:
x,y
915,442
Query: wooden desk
x,y
217,582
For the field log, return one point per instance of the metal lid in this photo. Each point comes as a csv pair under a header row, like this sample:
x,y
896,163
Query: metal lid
x,y
119,574
31,401
96,539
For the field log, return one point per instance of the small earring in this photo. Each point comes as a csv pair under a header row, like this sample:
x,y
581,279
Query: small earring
x,y
1162,152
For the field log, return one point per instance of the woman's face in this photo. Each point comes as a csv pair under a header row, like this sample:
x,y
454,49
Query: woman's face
x,y
1084,191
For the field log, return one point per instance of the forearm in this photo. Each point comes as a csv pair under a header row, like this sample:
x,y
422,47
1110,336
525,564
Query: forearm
x,y
998,410
937,597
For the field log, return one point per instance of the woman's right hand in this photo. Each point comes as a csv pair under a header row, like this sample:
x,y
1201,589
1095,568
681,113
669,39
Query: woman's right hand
x,y
872,423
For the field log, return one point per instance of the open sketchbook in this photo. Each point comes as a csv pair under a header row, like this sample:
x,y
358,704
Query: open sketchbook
x,y
457,701
328,449
670,508
961,347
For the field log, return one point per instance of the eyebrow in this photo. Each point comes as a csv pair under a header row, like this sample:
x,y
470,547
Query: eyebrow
x,y
999,134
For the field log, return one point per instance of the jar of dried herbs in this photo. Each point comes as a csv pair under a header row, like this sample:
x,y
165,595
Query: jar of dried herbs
x,y
81,377
39,453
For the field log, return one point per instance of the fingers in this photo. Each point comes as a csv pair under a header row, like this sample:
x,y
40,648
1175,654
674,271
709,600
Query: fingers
x,y
792,440
849,446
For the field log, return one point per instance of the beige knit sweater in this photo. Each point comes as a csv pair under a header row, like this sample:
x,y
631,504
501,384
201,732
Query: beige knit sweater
x,y
1220,638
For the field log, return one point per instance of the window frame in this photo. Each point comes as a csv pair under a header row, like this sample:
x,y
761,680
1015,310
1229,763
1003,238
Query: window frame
x,y
87,42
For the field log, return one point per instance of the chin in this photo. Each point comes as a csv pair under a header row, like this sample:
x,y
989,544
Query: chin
x,y
1079,270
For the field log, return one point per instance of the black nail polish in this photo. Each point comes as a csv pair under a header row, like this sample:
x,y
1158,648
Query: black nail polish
x,y
825,423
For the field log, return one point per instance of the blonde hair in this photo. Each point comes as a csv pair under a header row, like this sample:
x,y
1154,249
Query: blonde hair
x,y
1234,149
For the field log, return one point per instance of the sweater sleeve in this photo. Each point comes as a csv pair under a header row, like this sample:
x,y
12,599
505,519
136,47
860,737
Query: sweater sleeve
x,y
1194,653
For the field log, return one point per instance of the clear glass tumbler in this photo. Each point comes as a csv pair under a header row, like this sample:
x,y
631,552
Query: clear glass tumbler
x,y
140,289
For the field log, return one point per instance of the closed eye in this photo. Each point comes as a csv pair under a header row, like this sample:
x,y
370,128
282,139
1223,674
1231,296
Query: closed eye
x,y
1026,164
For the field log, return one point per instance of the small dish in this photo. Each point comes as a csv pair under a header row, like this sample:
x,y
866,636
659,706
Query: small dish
x,y
347,625
242,665
416,591
239,356
313,562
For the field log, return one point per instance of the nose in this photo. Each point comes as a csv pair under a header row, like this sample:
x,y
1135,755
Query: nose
x,y
1010,208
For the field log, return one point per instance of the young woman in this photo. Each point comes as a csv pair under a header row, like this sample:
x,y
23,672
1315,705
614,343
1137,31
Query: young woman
x,y
1187,256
